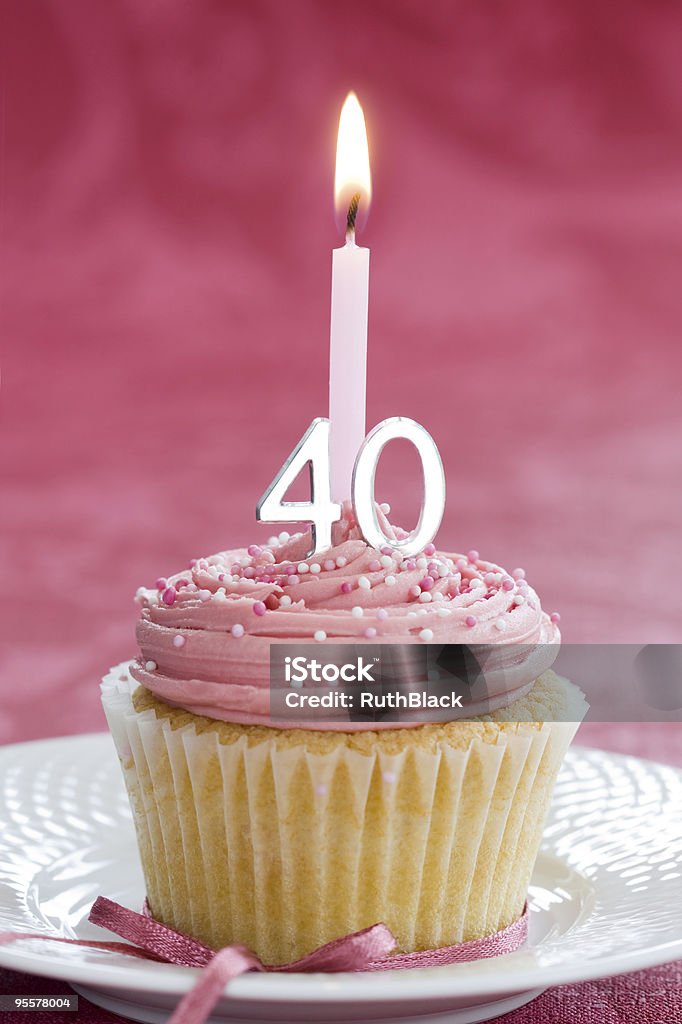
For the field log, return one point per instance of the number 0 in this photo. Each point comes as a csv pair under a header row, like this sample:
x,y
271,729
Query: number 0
x,y
433,502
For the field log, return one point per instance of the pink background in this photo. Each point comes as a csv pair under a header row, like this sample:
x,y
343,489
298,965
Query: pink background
x,y
165,209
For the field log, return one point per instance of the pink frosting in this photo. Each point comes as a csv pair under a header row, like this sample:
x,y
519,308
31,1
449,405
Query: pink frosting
x,y
205,635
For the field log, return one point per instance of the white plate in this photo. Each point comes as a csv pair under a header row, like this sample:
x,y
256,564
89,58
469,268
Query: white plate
x,y
605,897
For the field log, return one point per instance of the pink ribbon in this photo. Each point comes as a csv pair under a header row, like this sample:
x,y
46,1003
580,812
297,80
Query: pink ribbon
x,y
367,950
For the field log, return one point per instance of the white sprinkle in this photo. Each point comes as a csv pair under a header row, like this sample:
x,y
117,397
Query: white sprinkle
x,y
284,601
220,594
500,624
364,583
426,634
283,537
382,614
390,581
426,597
370,632
415,591
444,612
150,666
273,542
320,635
476,582
437,596
385,507
412,615
330,565
386,561
341,561
205,595
423,611
518,599
237,630
357,612
244,560
422,563
302,568
315,568
179,641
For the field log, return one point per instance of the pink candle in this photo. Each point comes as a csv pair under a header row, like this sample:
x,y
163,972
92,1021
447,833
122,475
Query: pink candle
x,y
350,293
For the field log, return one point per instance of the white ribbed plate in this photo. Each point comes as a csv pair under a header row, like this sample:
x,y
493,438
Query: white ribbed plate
x,y
605,898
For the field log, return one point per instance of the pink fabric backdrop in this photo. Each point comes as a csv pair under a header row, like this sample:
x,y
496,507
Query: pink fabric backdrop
x,y
165,202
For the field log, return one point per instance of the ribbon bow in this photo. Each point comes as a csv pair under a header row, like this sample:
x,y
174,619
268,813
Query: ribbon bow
x,y
366,950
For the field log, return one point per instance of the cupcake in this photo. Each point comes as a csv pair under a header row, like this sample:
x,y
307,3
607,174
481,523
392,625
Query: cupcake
x,y
282,835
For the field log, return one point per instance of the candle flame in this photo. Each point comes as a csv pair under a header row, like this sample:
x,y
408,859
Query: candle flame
x,y
352,181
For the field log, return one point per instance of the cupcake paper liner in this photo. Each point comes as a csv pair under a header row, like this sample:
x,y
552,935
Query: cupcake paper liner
x,y
282,847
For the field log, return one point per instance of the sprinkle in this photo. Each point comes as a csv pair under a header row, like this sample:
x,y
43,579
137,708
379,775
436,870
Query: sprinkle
x,y
168,596
389,777
461,564
470,620
501,625
555,618
390,581
370,632
519,574
386,550
507,583
421,563
490,578
476,583
179,641
220,594
192,563
293,580
204,595
329,565
237,630
415,591
284,601
181,583
385,507
438,596
374,565
244,561
161,583
283,537
272,542
426,583
150,666
341,561
386,561
346,587
320,635
426,634
357,612
382,614
430,549
249,572
315,568
302,568
473,555
259,608
364,583
254,550
425,597
518,599
444,612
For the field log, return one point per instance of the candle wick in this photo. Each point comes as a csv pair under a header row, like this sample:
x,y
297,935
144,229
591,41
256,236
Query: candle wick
x,y
352,215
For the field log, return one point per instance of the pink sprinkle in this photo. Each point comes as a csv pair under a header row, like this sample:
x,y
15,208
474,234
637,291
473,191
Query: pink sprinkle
x,y
259,608
374,565
473,555
461,564
221,576
254,550
470,620
346,587
236,569
329,565
290,570
410,564
294,579
169,595
489,578
249,572
519,574
370,632
429,550
555,618
192,563
237,630
382,614
161,583
426,583
179,641
386,550
181,583
507,583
